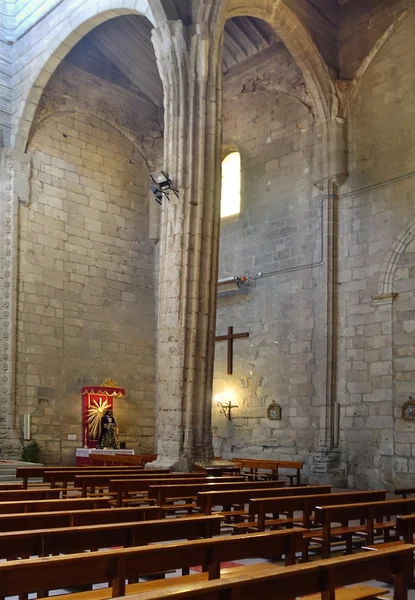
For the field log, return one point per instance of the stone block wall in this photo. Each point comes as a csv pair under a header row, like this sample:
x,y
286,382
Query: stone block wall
x,y
276,236
6,31
86,283
376,353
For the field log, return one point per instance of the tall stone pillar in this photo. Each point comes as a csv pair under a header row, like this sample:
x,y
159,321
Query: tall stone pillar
x,y
190,65
326,460
14,188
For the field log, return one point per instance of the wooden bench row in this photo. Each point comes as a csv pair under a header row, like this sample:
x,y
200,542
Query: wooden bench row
x,y
27,473
89,483
120,568
70,540
323,579
76,518
59,477
24,506
121,459
118,565
225,499
339,521
282,509
260,469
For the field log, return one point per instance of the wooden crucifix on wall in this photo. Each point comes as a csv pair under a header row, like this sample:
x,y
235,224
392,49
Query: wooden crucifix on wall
x,y
229,338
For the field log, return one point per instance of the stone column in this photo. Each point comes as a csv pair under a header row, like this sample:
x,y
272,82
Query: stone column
x,y
14,188
190,64
326,459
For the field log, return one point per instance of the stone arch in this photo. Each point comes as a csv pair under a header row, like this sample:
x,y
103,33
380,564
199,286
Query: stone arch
x,y
391,260
384,38
58,42
125,131
301,47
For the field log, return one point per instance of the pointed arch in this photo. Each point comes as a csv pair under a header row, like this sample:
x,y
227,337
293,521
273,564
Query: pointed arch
x,y
299,43
385,37
53,43
391,260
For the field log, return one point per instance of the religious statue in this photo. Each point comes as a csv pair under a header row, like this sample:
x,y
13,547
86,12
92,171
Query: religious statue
x,y
108,435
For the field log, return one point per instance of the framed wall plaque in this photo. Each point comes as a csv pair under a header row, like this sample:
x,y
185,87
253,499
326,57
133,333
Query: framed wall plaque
x,y
274,411
408,410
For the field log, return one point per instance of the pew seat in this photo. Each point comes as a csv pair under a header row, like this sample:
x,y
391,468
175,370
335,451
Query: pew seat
x,y
320,579
171,582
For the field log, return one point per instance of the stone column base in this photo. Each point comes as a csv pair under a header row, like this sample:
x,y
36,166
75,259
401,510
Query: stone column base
x,y
327,468
181,464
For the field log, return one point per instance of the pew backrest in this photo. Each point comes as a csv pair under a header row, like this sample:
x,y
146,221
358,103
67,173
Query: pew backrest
x,y
45,542
405,492
319,578
67,476
405,527
259,507
86,482
76,518
366,510
162,491
53,505
206,500
121,564
34,494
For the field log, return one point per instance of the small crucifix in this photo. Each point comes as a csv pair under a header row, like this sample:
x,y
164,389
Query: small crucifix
x,y
229,338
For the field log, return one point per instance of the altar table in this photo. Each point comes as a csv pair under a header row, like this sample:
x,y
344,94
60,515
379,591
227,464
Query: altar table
x,y
82,454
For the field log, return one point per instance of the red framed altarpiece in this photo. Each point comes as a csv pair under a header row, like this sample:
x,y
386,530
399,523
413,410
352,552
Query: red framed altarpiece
x,y
96,399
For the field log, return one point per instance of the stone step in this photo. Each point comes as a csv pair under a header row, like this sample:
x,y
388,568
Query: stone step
x,y
8,469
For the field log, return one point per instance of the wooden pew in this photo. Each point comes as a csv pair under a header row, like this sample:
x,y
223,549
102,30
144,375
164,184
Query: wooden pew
x,y
405,492
53,505
369,514
92,482
116,566
20,495
26,473
405,528
100,459
125,488
69,540
287,506
11,486
77,518
255,466
65,477
207,500
116,459
295,479
164,494
323,579
258,469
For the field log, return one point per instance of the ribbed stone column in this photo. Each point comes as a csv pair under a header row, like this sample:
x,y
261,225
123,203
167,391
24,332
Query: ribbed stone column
x,y
14,188
326,460
190,67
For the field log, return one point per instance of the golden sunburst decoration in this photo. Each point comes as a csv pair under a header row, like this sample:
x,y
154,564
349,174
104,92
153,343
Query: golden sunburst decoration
x,y
110,383
95,413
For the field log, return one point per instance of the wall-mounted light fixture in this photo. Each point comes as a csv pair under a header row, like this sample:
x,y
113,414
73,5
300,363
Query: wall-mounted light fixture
x,y
231,284
225,407
162,184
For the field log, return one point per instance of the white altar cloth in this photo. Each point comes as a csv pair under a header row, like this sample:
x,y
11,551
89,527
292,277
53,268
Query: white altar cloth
x,y
85,452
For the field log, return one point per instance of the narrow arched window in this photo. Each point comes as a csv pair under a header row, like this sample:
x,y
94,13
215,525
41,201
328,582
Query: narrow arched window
x,y
230,203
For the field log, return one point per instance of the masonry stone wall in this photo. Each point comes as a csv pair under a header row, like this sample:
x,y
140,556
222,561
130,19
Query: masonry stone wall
x,y
86,283
376,214
6,30
277,234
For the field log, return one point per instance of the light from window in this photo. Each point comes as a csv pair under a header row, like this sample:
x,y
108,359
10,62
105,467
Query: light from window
x,y
231,185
